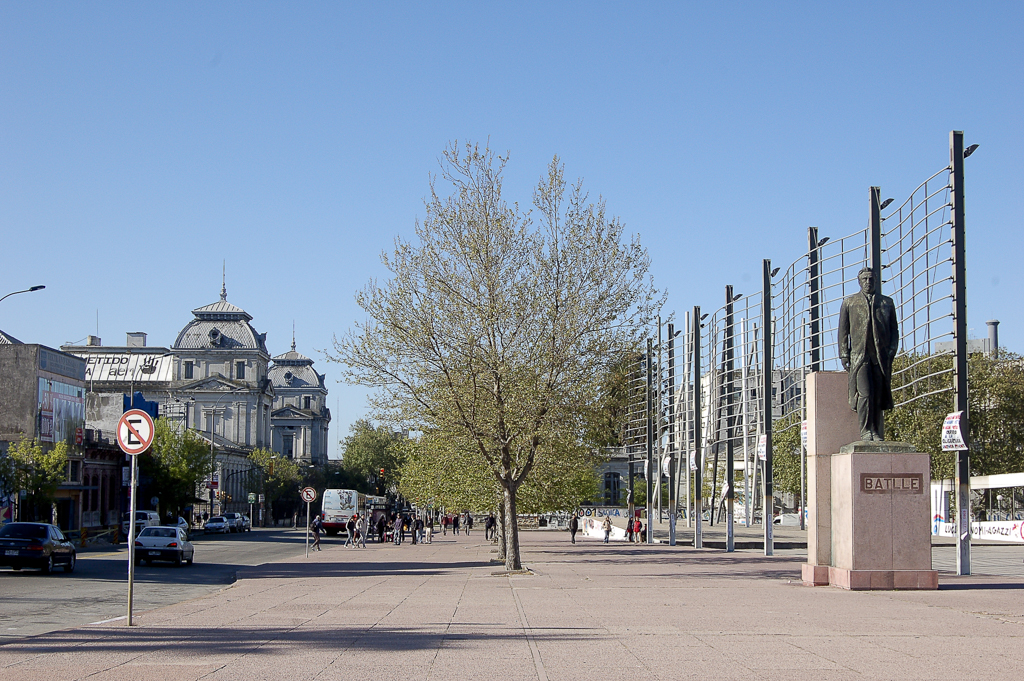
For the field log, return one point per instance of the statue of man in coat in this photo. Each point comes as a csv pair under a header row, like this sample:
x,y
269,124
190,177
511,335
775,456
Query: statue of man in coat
x,y
868,341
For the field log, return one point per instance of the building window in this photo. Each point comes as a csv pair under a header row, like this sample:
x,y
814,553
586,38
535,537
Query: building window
x,y
289,446
239,369
189,371
305,402
612,482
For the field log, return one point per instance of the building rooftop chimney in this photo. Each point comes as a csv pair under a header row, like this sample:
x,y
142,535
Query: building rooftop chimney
x,y
136,339
93,341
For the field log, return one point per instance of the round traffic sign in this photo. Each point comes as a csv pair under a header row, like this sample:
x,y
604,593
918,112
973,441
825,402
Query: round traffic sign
x,y
308,494
135,431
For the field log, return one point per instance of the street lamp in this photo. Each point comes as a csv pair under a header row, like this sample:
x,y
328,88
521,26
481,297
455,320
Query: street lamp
x,y
28,290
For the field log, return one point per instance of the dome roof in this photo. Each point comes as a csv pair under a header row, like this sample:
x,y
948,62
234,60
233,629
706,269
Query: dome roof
x,y
294,370
220,326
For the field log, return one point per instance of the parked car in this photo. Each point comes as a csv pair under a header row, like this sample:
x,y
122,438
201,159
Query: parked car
x,y
218,523
164,542
246,523
183,524
36,545
143,519
235,521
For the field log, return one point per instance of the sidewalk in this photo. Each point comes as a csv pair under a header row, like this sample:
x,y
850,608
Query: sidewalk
x,y
588,611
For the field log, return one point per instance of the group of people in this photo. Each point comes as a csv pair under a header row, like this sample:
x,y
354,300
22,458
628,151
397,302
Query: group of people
x,y
396,527
456,522
635,531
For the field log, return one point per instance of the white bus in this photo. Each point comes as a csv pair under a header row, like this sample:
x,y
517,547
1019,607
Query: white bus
x,y
338,506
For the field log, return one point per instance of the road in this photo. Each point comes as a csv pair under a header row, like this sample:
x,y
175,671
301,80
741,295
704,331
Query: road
x,y
32,603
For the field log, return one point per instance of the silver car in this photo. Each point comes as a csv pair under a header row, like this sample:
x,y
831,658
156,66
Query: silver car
x,y
163,542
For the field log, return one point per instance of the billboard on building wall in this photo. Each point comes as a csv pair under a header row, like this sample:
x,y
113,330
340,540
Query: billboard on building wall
x,y
121,366
61,410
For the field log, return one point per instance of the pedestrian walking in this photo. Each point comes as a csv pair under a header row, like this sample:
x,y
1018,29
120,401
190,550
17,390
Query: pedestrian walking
x,y
362,529
350,530
444,524
637,528
382,528
316,526
607,527
574,527
419,529
490,527
430,528
455,524
469,523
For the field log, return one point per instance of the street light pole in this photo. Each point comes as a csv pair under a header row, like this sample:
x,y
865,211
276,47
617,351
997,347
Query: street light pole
x,y
28,290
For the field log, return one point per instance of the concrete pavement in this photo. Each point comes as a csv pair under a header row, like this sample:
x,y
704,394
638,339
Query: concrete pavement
x,y
589,611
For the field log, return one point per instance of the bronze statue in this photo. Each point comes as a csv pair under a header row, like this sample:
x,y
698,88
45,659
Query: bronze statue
x,y
868,341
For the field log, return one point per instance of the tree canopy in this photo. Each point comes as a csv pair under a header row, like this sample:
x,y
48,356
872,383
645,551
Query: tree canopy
x,y
495,325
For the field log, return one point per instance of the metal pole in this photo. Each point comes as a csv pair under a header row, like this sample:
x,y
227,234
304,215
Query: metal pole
x,y
131,540
651,472
673,455
730,457
307,529
963,468
658,432
766,388
745,417
813,257
698,539
686,418
803,404
875,234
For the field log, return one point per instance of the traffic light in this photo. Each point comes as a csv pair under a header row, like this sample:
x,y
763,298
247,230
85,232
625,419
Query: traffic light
x,y
382,472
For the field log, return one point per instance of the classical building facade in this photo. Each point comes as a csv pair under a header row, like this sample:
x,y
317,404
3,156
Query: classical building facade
x,y
300,418
214,379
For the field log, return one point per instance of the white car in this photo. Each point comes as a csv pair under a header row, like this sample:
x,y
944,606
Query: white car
x,y
163,542
218,523
143,519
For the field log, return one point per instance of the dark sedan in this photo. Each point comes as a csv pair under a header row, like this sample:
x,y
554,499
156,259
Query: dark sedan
x,y
35,545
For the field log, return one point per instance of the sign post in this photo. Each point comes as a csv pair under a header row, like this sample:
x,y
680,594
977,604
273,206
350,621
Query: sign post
x,y
309,496
134,435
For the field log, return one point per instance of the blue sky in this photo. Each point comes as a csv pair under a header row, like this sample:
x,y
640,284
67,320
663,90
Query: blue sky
x,y
142,144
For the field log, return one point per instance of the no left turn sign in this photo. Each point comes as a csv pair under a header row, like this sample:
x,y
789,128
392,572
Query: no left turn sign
x,y
135,431
308,494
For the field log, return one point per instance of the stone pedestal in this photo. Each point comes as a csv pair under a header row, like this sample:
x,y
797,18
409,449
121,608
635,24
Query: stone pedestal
x,y
830,425
881,537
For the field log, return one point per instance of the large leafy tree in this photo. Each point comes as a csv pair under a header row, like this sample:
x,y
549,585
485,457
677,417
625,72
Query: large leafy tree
x,y
37,469
495,324
368,450
995,403
278,479
175,464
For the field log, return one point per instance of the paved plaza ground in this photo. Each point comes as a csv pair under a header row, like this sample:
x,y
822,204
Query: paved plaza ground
x,y
587,611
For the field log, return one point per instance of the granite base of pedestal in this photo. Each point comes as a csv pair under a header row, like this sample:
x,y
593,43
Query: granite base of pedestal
x,y
883,580
814,575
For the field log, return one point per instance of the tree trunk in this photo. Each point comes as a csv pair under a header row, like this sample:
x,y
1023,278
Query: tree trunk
x,y
512,559
500,535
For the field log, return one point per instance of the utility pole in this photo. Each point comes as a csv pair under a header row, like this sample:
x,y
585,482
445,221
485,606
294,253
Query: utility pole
x,y
963,467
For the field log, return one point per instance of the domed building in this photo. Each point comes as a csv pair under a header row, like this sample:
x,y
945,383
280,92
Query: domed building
x,y
300,418
220,365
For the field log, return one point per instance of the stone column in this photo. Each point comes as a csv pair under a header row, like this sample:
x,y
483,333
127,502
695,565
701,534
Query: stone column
x,y
830,425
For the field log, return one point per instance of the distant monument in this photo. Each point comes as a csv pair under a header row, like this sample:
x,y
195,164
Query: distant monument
x,y
868,341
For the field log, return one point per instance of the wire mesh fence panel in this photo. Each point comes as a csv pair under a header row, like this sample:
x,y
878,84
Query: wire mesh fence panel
x,y
917,274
